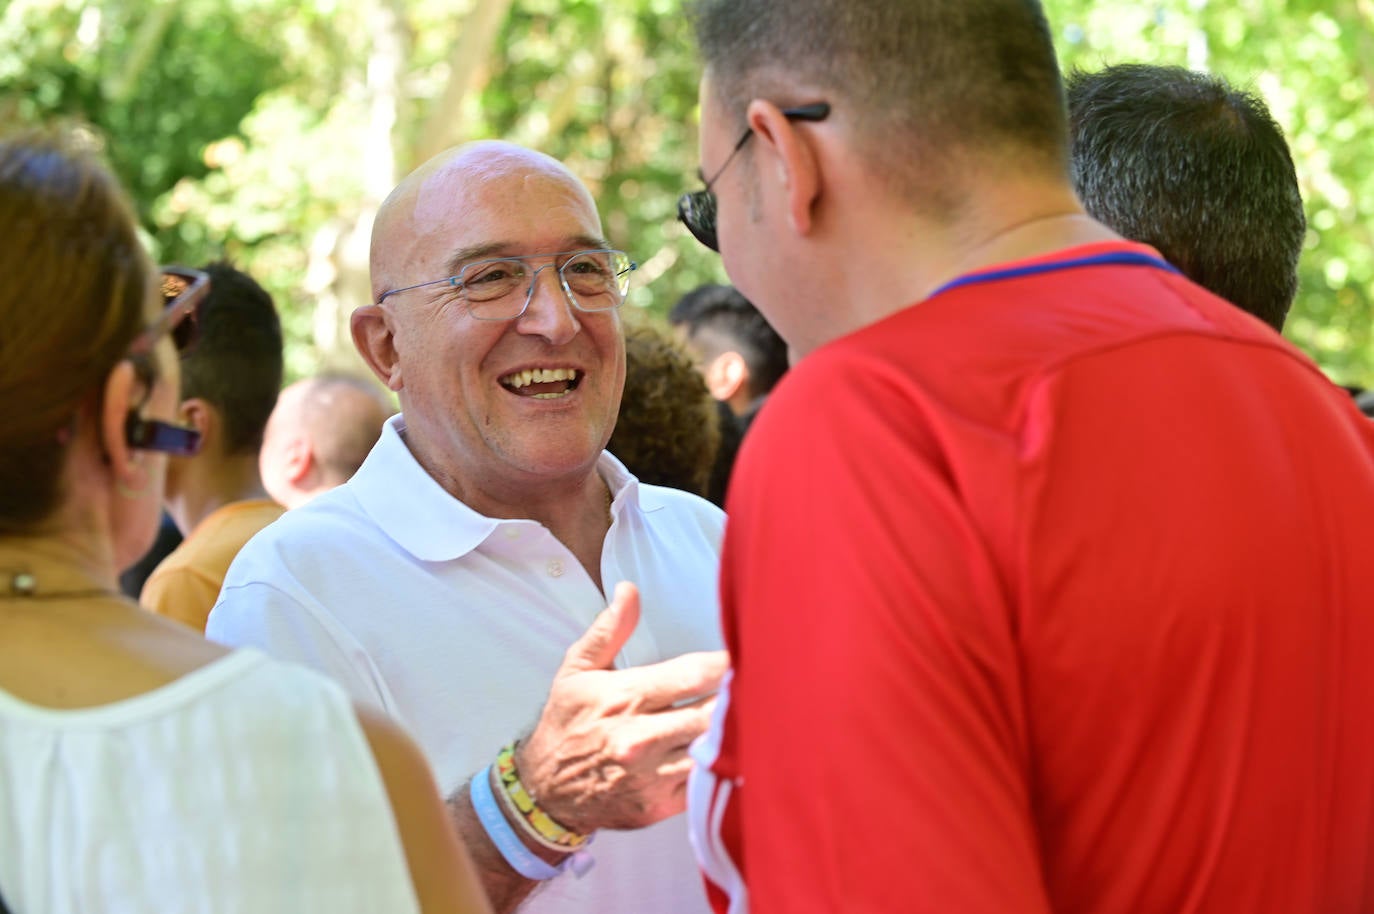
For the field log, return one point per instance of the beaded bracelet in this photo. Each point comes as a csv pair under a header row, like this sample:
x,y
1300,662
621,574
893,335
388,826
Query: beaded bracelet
x,y
538,824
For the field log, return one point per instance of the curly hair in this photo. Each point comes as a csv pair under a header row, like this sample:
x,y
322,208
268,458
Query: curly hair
x,y
668,430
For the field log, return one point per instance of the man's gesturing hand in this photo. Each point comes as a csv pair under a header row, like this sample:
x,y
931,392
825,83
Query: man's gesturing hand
x,y
610,749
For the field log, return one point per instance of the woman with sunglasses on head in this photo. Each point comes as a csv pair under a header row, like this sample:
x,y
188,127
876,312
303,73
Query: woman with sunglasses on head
x,y
142,768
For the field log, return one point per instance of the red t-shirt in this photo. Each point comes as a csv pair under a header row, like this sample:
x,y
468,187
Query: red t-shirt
x,y
1051,593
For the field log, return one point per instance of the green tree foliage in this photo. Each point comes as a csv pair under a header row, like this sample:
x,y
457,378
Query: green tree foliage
x,y
160,82
270,130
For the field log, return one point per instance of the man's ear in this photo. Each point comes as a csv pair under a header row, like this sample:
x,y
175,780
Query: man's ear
x,y
376,343
726,375
297,459
789,151
202,416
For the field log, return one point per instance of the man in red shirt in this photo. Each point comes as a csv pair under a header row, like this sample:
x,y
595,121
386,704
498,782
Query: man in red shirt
x,y
1045,582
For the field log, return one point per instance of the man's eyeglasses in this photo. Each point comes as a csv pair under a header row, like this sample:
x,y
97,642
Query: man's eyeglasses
x,y
183,290
595,280
697,209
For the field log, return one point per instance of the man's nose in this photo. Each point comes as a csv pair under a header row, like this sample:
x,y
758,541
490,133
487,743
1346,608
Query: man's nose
x,y
549,311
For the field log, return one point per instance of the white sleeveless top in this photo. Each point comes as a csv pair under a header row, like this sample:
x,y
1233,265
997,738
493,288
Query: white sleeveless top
x,y
245,786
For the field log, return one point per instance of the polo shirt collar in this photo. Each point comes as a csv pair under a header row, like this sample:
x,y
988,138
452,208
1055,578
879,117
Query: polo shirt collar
x,y
429,523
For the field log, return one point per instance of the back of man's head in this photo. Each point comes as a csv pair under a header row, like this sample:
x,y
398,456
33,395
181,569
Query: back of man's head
x,y
1198,170
345,416
719,319
236,365
922,85
319,434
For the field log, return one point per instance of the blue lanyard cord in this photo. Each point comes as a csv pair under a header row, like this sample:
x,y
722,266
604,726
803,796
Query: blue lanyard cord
x,y
1114,258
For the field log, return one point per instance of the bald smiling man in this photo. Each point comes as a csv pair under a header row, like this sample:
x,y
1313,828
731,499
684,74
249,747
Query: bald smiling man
x,y
460,580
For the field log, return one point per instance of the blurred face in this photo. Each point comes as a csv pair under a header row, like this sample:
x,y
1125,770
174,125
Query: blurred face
x,y
497,403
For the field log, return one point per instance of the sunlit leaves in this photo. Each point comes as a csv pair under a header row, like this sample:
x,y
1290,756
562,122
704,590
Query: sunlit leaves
x,y
265,128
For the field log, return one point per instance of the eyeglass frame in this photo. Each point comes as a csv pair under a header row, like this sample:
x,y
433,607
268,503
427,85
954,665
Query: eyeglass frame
x,y
457,281
704,200
154,434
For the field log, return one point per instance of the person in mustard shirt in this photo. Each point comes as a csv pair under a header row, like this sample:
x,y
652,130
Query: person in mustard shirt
x,y
216,495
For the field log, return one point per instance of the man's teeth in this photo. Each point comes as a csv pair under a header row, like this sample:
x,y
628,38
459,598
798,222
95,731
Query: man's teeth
x,y
538,376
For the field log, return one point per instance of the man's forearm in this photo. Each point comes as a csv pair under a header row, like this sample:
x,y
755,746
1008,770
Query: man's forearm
x,y
505,888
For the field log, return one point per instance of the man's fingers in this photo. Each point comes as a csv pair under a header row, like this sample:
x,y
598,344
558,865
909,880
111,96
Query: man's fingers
x,y
684,678
607,634
666,734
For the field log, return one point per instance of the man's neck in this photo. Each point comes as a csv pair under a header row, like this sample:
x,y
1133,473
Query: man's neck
x,y
202,489
918,256
575,507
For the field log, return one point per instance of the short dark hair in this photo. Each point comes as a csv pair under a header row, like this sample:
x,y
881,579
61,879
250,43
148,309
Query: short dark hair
x,y
1199,170
920,82
668,429
236,364
719,318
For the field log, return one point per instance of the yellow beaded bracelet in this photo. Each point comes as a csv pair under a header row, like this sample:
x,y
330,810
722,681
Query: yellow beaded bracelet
x,y
538,824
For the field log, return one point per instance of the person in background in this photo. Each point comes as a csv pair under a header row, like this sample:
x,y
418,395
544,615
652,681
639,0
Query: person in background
x,y
318,435
1046,583
1198,170
132,579
668,429
216,496
141,767
459,580
741,357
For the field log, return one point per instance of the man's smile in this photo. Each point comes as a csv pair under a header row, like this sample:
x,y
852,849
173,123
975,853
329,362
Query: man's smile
x,y
542,383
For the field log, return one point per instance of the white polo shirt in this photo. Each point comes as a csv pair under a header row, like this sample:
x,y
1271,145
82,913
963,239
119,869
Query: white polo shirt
x,y
455,623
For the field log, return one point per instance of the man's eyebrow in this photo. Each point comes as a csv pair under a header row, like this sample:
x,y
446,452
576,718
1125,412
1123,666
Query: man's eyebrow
x,y
463,256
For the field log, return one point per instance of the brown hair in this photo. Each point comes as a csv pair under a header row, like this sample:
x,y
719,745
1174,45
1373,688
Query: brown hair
x,y
922,83
668,430
74,282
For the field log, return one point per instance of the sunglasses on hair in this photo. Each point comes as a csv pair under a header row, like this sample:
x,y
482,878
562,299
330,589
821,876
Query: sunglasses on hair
x,y
183,290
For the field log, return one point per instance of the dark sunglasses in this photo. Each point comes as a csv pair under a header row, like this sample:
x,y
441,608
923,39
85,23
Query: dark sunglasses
x,y
183,290
697,209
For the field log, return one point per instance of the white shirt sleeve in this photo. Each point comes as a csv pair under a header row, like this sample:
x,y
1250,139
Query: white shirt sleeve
x,y
258,614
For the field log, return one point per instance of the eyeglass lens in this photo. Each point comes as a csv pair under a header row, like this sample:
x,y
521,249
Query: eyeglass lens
x,y
697,209
597,280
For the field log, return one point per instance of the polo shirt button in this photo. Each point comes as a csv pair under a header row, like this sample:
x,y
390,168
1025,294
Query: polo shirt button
x,y
555,568
511,530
